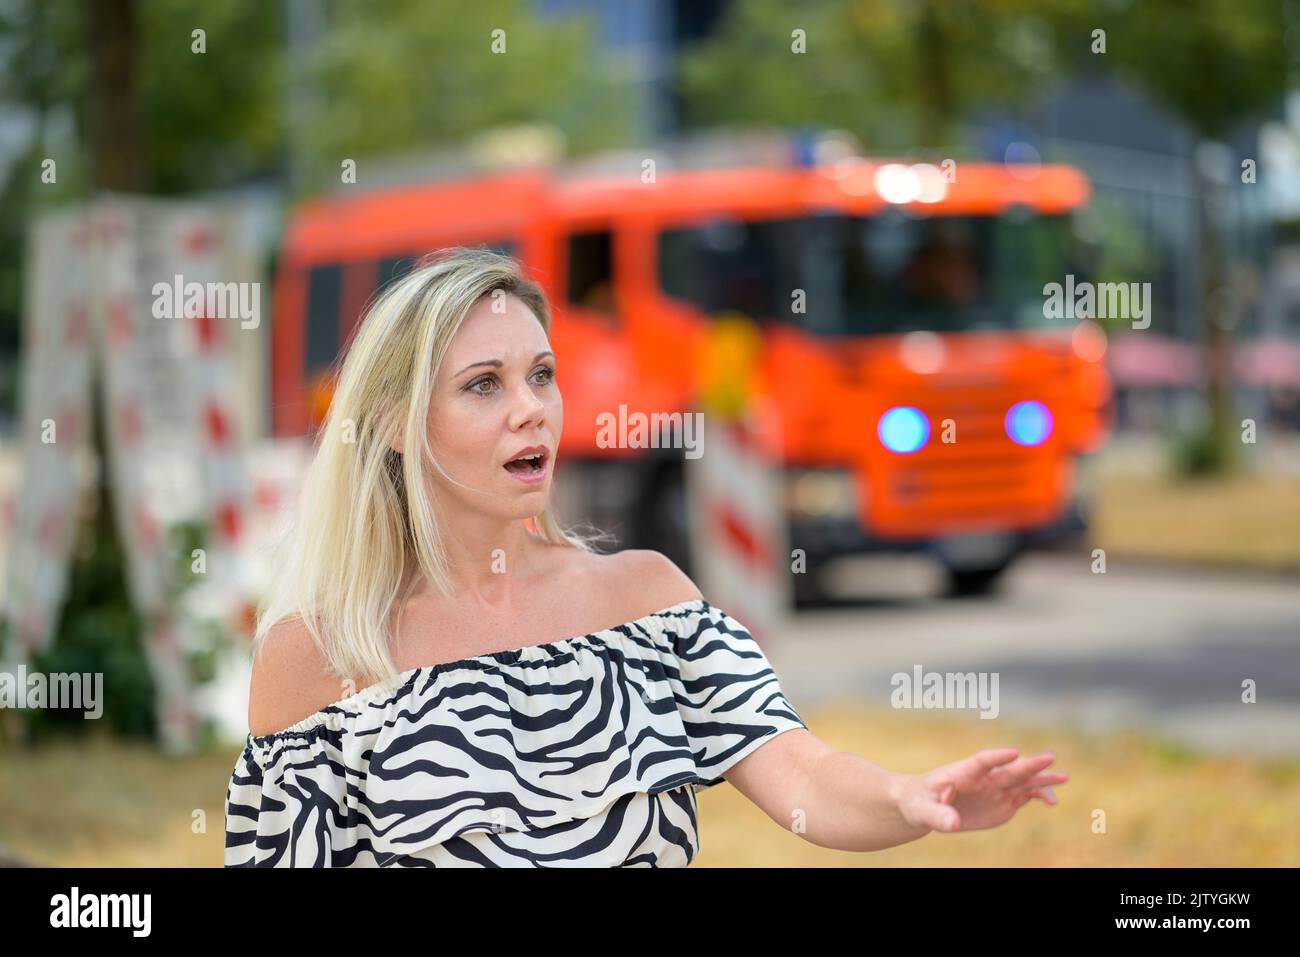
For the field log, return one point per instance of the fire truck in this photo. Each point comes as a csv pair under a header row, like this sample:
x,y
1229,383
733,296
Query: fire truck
x,y
927,400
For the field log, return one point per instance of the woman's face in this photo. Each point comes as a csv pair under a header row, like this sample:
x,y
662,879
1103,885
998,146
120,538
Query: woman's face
x,y
495,399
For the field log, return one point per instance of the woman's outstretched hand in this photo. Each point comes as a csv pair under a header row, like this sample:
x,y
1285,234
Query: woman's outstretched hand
x,y
979,792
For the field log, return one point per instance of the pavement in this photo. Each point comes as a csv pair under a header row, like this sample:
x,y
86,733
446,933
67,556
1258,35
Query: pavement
x,y
1163,649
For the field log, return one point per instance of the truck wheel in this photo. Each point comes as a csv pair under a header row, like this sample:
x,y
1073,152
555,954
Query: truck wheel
x,y
975,581
808,588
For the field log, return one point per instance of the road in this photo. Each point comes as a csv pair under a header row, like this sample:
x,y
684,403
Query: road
x,y
1164,649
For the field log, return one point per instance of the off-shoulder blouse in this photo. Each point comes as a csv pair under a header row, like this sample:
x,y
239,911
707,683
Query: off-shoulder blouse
x,y
585,751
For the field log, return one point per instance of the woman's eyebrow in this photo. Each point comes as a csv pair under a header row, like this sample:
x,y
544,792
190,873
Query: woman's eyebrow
x,y
497,363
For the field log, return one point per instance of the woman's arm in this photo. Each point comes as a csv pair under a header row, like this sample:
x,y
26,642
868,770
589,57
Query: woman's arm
x,y
842,801
829,798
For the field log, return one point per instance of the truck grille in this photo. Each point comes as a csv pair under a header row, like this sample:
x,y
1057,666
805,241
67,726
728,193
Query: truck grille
x,y
982,480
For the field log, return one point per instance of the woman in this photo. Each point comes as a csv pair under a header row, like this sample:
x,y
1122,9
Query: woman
x,y
445,676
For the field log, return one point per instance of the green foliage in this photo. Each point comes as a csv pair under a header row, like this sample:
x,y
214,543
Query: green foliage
x,y
1214,63
390,76
208,119
44,60
213,118
1123,252
1202,452
98,632
1169,753
209,637
747,75
183,538
897,73
901,73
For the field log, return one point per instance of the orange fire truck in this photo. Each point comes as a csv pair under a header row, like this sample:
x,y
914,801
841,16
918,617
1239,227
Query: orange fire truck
x,y
926,400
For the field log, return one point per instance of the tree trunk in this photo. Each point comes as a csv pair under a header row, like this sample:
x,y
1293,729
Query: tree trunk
x,y
1220,428
116,151
932,82
117,159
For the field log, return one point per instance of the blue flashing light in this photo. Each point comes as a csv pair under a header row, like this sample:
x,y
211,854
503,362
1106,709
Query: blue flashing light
x,y
1028,423
903,429
803,145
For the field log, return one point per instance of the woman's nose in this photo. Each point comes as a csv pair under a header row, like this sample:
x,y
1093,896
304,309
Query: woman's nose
x,y
526,408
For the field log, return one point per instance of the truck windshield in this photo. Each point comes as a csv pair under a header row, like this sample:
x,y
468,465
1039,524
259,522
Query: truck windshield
x,y
887,273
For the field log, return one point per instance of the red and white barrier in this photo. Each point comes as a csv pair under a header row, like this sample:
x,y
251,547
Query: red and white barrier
x,y
739,551
57,323
175,454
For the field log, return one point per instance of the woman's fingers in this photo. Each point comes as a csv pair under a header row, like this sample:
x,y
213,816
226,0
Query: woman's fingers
x,y
1020,798
1041,780
1021,780
990,758
941,817
969,770
1021,772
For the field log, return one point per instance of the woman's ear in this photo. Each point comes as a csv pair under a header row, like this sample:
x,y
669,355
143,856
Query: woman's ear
x,y
398,444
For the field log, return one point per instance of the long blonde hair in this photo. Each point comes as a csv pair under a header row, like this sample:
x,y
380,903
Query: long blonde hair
x,y
365,520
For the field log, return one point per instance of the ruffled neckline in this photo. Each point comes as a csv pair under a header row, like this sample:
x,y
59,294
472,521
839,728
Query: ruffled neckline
x,y
538,652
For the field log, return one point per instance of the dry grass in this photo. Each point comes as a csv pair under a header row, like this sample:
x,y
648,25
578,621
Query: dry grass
x,y
103,802
1163,807
1250,520
106,803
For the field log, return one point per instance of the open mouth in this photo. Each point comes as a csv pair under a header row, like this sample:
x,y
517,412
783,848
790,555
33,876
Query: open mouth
x,y
530,464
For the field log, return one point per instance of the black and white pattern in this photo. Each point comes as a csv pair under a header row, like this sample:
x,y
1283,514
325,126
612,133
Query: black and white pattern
x,y
585,751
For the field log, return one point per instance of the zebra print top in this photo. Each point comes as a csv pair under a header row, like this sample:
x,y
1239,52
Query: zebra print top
x,y
585,751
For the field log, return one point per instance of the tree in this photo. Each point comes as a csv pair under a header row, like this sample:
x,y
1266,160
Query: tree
x,y
898,74
390,76
1216,64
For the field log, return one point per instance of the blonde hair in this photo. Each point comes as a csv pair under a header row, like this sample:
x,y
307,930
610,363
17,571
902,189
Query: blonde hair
x,y
365,520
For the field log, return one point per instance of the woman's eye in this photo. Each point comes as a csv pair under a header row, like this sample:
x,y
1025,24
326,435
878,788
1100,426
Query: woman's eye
x,y
487,384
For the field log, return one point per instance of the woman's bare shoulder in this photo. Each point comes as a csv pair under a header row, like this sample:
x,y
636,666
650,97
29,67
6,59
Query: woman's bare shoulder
x,y
639,582
290,680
